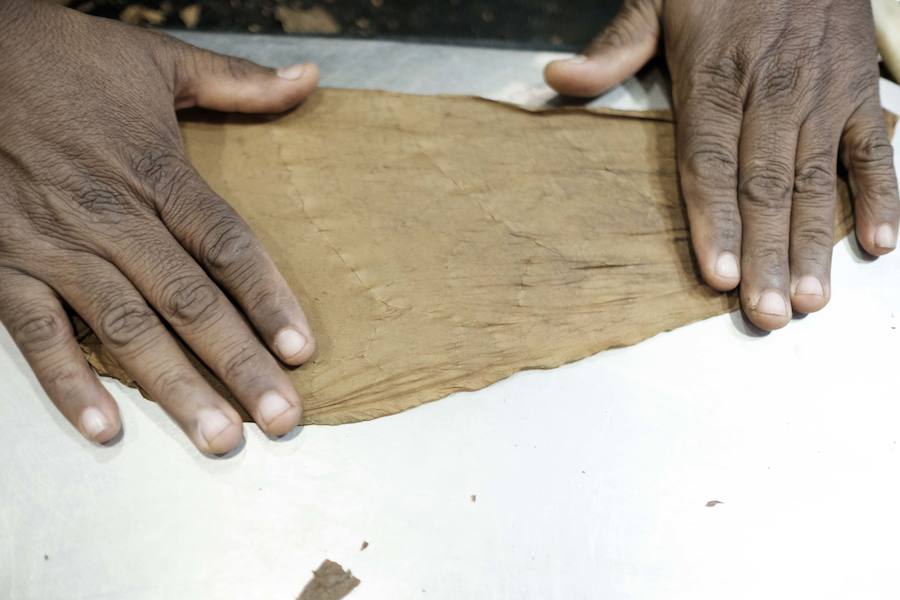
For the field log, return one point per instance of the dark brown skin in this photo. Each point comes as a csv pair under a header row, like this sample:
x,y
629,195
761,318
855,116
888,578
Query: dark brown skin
x,y
766,94
100,209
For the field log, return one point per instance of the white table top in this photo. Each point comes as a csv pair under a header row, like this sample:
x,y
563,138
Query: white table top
x,y
796,433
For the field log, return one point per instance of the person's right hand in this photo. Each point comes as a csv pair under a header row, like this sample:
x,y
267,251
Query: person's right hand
x,y
100,209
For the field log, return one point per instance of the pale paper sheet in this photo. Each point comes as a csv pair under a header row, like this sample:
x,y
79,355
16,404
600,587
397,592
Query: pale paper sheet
x,y
440,244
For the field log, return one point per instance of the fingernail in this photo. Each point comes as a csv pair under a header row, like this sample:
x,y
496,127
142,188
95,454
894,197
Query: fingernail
x,y
577,59
93,422
772,303
810,286
272,405
292,72
884,237
727,266
212,424
289,342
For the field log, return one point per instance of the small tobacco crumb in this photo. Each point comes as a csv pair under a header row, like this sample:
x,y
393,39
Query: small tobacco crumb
x,y
473,497
365,545
712,503
46,557
329,581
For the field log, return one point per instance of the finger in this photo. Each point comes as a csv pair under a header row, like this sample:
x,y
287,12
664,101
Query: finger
x,y
38,324
869,159
230,84
630,40
131,331
708,128
812,213
768,148
220,240
186,298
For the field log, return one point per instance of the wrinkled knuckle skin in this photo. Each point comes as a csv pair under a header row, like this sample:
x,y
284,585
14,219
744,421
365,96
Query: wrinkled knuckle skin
x,y
239,68
124,324
811,237
101,201
717,83
728,71
172,383
264,301
872,151
780,79
156,164
767,187
63,378
39,331
188,301
770,258
816,177
709,164
228,245
726,227
242,364
164,172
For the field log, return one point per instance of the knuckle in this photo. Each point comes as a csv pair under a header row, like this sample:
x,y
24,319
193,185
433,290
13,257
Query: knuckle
x,y
188,301
156,163
872,151
163,171
264,300
812,236
816,176
40,331
780,78
767,253
242,364
881,200
771,259
718,82
122,324
228,245
726,228
766,187
709,163
101,201
239,68
62,378
173,383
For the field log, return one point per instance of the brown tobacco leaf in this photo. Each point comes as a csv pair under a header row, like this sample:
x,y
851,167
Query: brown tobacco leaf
x,y
138,14
190,15
313,20
439,244
330,582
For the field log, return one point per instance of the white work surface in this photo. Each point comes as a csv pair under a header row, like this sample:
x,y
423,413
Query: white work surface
x,y
590,481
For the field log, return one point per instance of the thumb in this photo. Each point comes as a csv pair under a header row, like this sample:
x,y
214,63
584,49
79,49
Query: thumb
x,y
630,40
229,84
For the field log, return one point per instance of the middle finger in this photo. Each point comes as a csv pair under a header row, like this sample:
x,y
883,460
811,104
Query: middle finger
x,y
765,184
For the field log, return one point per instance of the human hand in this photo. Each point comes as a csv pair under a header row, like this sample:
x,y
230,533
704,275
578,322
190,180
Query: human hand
x,y
100,209
765,95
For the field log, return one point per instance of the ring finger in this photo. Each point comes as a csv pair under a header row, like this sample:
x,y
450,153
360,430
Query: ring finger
x,y
812,213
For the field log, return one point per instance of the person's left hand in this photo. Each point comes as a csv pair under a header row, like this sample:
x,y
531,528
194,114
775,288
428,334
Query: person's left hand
x,y
764,94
